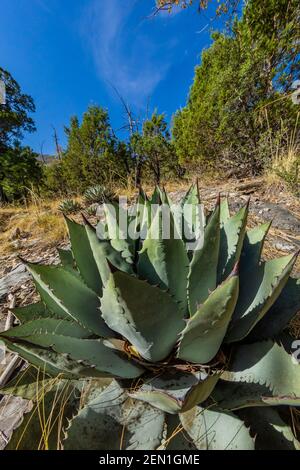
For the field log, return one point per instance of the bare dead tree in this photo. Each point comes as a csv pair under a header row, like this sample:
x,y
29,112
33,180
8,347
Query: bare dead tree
x,y
132,126
57,146
42,152
227,6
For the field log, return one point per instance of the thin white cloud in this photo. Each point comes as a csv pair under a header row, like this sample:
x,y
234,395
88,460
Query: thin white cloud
x,y
134,62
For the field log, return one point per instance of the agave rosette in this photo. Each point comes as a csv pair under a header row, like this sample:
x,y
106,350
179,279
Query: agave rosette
x,y
181,348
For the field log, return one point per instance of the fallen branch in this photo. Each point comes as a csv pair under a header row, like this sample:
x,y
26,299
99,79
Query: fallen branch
x,y
9,370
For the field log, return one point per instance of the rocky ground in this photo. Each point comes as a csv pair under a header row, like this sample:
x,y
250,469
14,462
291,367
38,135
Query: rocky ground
x,y
266,203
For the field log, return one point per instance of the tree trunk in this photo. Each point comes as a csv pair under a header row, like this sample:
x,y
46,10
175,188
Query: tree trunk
x,y
138,172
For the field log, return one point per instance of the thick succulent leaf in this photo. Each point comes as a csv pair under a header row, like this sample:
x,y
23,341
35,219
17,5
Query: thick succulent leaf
x,y
231,242
156,196
146,216
52,304
31,384
47,325
191,196
102,251
176,438
70,295
272,433
111,421
259,288
145,426
66,258
252,247
177,392
93,353
117,220
193,217
50,362
32,312
97,426
142,195
163,260
268,369
138,227
83,256
237,395
280,314
213,429
41,429
166,198
145,315
200,392
161,196
224,211
204,332
202,278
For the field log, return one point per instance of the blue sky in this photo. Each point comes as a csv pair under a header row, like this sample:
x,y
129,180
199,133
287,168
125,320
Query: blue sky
x,y
67,54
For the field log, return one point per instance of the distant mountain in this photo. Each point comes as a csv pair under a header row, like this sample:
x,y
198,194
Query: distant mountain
x,y
47,159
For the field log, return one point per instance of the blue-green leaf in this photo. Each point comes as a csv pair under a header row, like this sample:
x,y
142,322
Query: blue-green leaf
x,y
205,330
145,315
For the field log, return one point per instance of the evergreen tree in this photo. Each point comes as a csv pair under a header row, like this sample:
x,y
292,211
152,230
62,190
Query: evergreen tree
x,y
20,172
154,148
19,167
94,155
239,99
15,116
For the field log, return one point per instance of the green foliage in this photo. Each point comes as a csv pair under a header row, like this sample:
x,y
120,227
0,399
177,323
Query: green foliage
x,y
121,309
55,181
69,206
93,153
19,168
15,113
239,98
19,173
154,148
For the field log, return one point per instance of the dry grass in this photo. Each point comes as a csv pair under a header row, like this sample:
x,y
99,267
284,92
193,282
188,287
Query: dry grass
x,y
285,166
283,169
42,222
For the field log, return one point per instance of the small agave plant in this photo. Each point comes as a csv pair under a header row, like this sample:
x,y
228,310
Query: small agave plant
x,y
97,194
92,210
147,344
69,206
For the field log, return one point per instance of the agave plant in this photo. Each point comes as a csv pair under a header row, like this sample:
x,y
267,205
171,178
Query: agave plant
x,y
92,210
69,206
97,194
167,347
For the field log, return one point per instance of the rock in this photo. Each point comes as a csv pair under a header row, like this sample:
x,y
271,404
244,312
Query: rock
x,y
284,246
17,276
281,217
12,410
